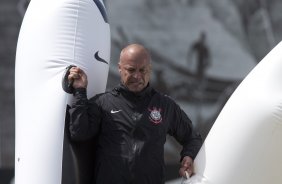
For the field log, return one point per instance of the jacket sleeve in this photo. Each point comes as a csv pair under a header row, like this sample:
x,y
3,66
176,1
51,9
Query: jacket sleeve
x,y
85,116
181,129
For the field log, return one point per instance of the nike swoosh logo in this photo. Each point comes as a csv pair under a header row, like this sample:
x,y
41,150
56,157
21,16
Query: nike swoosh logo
x,y
113,111
99,58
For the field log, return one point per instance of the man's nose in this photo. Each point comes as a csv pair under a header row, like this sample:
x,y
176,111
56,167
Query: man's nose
x,y
137,75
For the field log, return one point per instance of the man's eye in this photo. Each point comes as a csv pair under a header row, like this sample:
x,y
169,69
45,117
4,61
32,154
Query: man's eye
x,y
142,71
130,70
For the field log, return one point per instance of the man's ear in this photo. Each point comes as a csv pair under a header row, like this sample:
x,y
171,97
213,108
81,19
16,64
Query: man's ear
x,y
119,68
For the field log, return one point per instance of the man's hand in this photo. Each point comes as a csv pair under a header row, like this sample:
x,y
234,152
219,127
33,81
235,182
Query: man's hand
x,y
186,165
78,78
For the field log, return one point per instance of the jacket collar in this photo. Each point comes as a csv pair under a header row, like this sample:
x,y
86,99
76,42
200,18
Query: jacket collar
x,y
125,91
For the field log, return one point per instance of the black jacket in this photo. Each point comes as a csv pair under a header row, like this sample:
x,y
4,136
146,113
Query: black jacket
x,y
131,132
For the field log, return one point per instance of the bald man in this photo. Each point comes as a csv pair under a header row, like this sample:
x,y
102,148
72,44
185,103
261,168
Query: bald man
x,y
131,123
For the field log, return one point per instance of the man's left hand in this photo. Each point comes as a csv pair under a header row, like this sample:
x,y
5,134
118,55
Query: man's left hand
x,y
186,165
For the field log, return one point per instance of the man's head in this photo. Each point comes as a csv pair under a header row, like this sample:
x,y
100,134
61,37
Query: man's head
x,y
135,67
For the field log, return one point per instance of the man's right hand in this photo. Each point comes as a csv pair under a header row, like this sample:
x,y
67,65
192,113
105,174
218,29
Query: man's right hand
x,y
78,78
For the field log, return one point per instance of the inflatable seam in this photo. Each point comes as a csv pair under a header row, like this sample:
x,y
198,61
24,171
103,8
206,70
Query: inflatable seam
x,y
75,31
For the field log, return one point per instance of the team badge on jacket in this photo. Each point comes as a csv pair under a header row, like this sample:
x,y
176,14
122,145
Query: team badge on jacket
x,y
155,115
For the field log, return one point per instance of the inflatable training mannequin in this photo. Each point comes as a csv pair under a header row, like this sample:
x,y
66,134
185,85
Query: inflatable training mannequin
x,y
244,145
54,34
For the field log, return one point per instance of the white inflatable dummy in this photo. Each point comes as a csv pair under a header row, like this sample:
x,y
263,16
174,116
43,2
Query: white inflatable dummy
x,y
54,34
244,145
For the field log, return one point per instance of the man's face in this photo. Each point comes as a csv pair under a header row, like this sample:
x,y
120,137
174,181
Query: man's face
x,y
135,73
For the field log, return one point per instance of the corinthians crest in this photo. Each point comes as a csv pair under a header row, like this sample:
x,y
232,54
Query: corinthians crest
x,y
155,115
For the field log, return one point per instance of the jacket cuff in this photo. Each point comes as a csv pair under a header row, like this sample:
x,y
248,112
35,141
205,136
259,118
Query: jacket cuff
x,y
79,91
184,155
